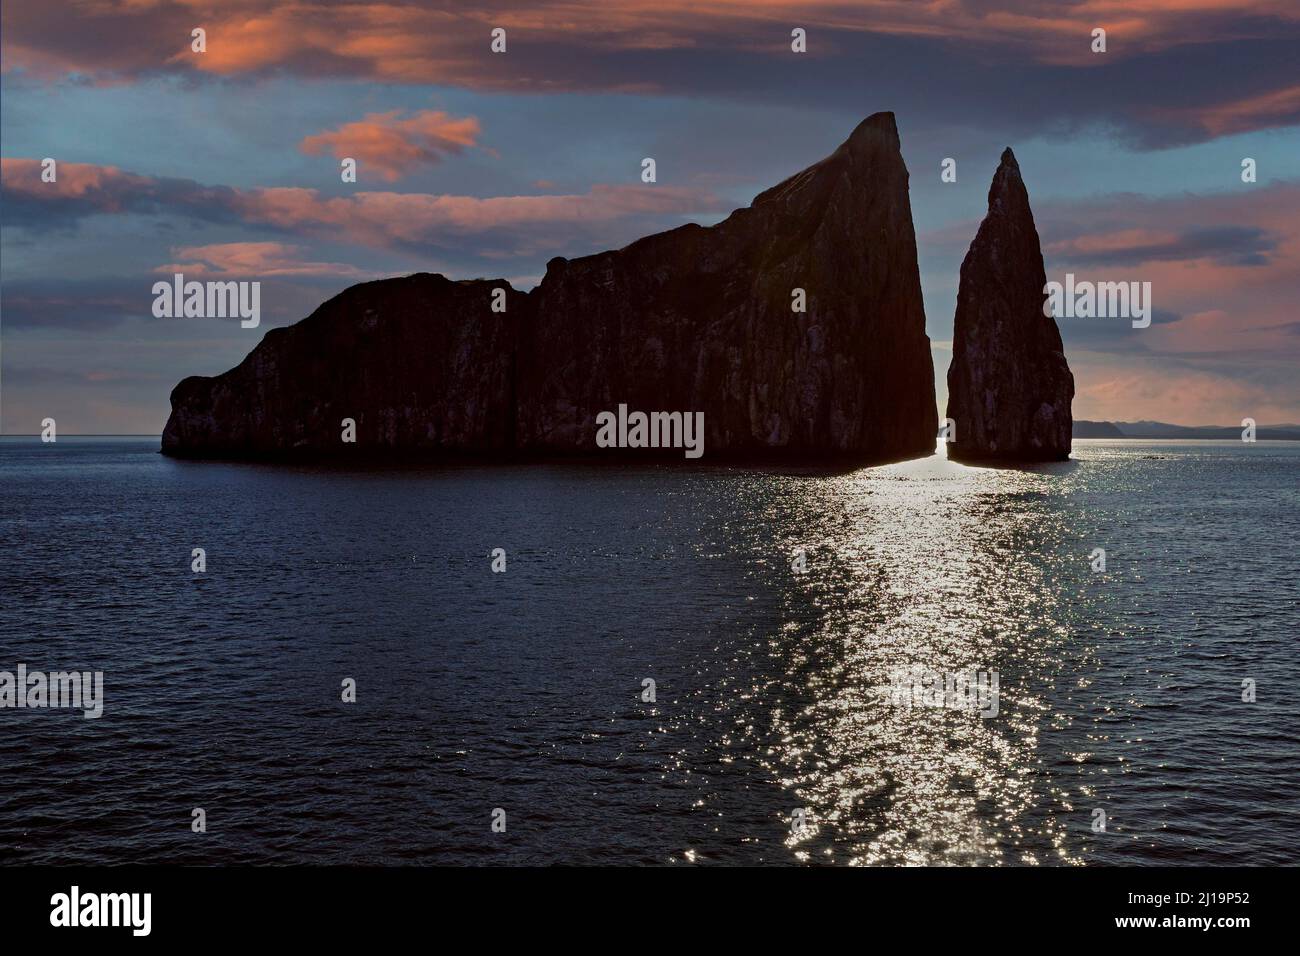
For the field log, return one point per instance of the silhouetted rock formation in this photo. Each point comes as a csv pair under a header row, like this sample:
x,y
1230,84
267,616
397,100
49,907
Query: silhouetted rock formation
x,y
417,362
1009,387
694,319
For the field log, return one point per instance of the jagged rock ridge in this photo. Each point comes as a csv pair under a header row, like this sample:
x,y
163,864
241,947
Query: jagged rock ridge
x,y
694,319
1009,386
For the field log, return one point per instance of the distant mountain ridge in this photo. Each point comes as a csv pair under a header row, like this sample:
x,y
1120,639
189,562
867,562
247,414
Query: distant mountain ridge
x,y
1149,429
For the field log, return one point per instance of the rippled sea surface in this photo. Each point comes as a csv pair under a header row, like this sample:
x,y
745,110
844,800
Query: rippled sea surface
x,y
1120,691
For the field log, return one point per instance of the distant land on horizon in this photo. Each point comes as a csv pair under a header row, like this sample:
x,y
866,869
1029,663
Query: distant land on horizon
x,y
1082,429
1148,429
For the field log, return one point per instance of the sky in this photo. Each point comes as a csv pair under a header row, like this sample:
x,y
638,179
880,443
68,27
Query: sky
x,y
225,164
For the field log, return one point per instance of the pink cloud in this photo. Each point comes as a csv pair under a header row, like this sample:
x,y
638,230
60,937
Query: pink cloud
x,y
392,146
1273,108
502,225
509,225
1116,241
1225,341
1226,263
96,185
566,45
447,43
252,259
1141,389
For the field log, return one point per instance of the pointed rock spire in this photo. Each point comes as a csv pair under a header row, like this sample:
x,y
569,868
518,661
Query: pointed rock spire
x,y
1009,387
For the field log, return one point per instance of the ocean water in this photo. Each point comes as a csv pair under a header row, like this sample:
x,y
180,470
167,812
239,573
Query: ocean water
x,y
1120,691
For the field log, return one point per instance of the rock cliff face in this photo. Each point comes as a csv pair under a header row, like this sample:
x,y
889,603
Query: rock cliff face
x,y
419,362
697,319
1009,387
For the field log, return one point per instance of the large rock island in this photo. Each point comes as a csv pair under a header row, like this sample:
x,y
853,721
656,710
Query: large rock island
x,y
1009,387
697,319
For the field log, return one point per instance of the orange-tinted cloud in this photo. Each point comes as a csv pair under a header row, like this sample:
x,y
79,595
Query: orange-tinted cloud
x,y
501,225
99,186
1243,272
1224,342
84,189
252,259
505,225
448,42
1226,338
1273,108
1015,62
1107,389
389,146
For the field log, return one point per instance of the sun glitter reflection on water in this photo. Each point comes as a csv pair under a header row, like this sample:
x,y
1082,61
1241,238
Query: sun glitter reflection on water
x,y
932,565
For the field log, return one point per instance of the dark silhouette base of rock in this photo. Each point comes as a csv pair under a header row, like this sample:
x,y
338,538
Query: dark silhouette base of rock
x,y
1009,386
697,319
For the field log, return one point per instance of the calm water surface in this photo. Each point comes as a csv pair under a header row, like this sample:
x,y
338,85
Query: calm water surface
x,y
1119,691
